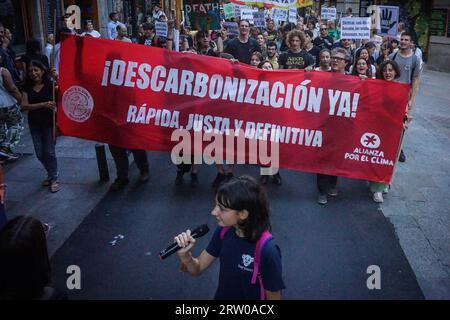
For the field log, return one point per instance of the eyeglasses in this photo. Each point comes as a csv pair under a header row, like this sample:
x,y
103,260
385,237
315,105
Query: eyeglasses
x,y
323,28
337,58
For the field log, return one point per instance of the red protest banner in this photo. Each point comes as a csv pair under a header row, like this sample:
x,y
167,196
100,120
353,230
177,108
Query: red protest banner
x,y
135,97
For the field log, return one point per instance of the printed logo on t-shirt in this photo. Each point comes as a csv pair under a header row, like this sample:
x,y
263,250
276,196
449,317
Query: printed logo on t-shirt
x,y
247,260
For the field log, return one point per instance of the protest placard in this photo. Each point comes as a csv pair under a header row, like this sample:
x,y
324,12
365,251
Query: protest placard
x,y
328,13
355,28
247,14
388,21
232,28
229,10
259,20
279,15
161,28
293,15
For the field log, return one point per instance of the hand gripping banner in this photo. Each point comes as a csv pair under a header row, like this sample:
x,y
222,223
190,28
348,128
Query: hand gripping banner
x,y
136,96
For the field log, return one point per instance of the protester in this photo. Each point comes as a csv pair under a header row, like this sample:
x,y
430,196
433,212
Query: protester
x,y
410,69
296,57
90,31
204,44
8,58
326,184
389,71
256,59
323,41
311,48
25,272
362,69
266,65
10,115
112,25
272,55
243,214
364,53
242,47
149,36
313,29
324,61
271,30
333,31
122,33
385,51
37,99
262,44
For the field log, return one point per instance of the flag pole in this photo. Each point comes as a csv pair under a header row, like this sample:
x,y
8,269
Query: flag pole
x,y
53,57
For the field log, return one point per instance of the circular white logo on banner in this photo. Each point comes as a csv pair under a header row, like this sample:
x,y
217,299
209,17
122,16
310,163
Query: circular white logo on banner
x,y
77,103
370,140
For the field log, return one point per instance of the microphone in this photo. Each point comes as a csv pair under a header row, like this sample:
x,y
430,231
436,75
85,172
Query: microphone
x,y
174,247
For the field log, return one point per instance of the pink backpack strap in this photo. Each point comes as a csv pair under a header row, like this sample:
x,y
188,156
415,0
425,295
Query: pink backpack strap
x,y
223,231
266,236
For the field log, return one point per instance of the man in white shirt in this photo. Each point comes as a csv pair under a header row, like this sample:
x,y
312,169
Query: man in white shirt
x,y
112,25
89,27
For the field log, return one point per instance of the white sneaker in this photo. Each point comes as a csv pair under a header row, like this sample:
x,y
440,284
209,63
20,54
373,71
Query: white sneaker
x,y
378,197
322,199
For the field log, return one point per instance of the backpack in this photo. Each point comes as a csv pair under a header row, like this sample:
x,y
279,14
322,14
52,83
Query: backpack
x,y
414,64
265,237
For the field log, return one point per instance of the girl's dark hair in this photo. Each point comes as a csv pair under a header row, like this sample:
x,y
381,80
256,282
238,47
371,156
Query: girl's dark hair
x,y
259,55
383,66
25,266
33,47
244,193
40,65
263,63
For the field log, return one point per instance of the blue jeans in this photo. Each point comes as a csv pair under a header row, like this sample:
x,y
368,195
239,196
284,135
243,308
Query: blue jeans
x,y
44,146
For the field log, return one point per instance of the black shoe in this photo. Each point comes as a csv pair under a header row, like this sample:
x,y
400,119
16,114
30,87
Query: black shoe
x,y
219,179
179,178
194,179
118,184
277,179
402,157
264,179
144,177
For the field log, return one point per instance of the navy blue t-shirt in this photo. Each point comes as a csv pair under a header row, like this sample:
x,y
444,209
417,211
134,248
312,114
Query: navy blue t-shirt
x,y
236,266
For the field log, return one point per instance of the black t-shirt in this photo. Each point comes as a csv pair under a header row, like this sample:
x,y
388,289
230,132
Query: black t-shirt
x,y
147,41
242,51
236,266
291,60
315,54
42,117
323,43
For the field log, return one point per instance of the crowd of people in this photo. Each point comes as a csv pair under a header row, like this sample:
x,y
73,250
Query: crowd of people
x,y
314,45
310,44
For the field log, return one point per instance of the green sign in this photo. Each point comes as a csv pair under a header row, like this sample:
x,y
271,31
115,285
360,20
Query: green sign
x,y
438,22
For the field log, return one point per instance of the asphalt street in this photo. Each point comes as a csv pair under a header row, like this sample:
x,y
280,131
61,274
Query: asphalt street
x,y
326,250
